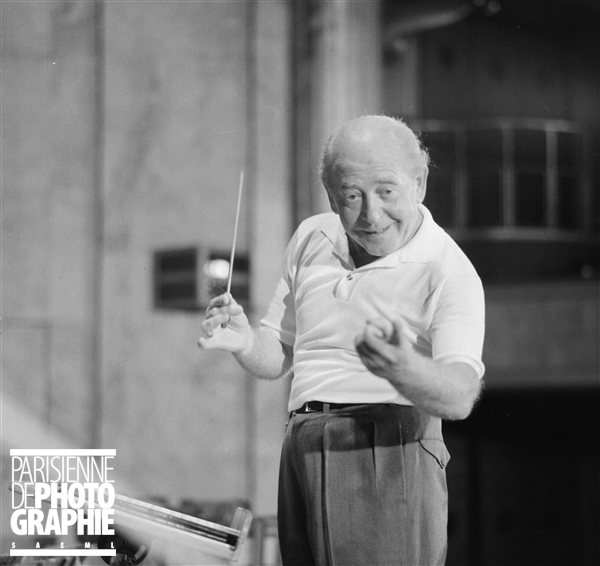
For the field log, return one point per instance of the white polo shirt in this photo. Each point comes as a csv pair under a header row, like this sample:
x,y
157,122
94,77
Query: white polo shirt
x,y
323,301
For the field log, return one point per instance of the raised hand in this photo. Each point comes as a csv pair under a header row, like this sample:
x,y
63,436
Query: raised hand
x,y
226,326
384,348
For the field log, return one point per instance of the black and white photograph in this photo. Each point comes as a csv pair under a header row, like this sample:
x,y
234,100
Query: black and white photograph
x,y
300,282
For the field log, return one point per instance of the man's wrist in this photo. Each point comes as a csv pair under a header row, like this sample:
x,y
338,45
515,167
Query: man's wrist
x,y
247,348
408,371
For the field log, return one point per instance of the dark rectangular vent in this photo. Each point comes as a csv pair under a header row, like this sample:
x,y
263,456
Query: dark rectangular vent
x,y
187,278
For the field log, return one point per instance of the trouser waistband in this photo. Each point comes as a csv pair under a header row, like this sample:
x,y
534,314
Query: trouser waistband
x,y
320,407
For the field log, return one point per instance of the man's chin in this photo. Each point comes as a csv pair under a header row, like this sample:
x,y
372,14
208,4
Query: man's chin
x,y
380,244
377,250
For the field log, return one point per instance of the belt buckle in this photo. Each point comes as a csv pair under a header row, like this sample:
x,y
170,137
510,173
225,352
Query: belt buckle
x,y
306,408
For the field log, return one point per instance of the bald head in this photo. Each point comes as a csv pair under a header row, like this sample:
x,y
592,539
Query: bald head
x,y
372,139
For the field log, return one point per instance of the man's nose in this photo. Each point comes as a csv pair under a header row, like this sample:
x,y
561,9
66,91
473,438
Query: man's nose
x,y
371,210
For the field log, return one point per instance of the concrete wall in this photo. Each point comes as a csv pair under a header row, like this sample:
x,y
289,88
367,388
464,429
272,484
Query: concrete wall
x,y
124,131
175,140
48,155
543,335
195,92
518,71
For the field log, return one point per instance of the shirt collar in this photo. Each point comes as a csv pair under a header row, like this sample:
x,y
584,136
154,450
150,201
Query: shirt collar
x,y
424,247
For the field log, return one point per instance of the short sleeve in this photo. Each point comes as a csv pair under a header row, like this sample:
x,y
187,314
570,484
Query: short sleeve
x,y
458,325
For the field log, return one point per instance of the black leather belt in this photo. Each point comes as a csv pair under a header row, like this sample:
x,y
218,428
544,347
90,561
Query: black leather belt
x,y
319,407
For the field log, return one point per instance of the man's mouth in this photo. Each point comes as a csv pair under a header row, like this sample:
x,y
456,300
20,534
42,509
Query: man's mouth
x,y
374,232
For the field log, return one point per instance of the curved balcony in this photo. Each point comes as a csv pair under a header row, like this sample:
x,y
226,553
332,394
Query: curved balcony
x,y
519,195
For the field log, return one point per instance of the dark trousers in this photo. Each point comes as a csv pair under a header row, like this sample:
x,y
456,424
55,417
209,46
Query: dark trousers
x,y
363,486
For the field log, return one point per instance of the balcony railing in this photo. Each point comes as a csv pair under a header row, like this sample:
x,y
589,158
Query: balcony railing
x,y
526,179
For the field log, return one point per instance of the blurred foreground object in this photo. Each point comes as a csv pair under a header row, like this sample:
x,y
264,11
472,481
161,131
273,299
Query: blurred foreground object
x,y
173,537
183,539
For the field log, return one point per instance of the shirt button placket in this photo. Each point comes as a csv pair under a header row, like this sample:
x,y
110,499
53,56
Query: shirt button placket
x,y
343,289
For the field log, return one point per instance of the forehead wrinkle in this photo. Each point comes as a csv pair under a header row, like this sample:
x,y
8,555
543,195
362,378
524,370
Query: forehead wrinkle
x,y
346,178
368,161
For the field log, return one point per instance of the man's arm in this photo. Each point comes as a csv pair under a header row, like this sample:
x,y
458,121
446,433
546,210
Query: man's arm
x,y
448,390
257,350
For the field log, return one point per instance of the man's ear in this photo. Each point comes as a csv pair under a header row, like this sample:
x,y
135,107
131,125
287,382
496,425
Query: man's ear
x,y
421,188
332,204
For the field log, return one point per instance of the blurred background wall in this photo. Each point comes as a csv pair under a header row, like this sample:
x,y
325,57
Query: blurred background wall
x,y
125,126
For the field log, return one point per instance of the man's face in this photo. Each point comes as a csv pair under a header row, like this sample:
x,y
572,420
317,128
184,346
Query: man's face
x,y
376,198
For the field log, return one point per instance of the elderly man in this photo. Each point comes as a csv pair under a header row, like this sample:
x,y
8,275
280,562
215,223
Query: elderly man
x,y
379,316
